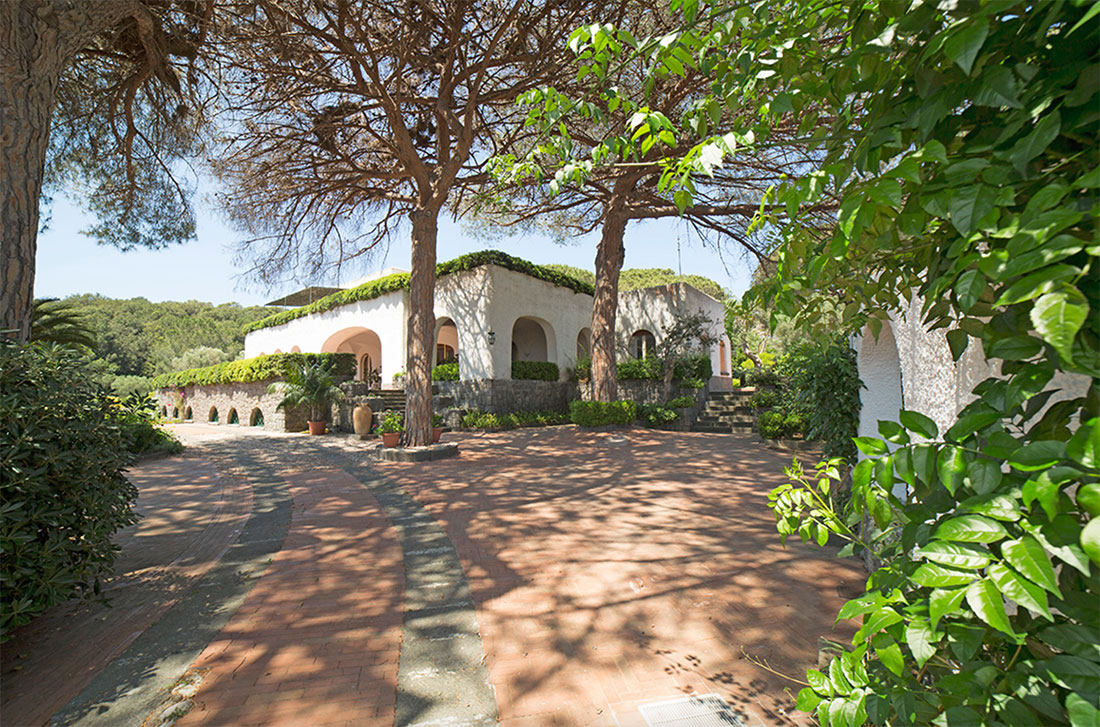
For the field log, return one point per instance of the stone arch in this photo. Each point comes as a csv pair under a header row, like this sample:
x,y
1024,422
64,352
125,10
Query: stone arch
x,y
446,340
278,351
364,343
232,418
164,411
533,340
256,418
642,343
213,415
584,343
187,415
880,370
295,349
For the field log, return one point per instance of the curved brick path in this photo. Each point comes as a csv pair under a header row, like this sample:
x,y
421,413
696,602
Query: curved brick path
x,y
545,577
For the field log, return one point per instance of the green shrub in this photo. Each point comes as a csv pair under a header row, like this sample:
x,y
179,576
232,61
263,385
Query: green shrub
x,y
763,378
445,372
390,422
480,420
400,281
583,370
139,423
600,413
259,368
695,366
693,383
62,492
655,415
771,424
765,399
535,370
681,402
638,369
124,386
824,388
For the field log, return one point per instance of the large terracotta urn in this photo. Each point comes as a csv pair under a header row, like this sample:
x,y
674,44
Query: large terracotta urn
x,y
361,419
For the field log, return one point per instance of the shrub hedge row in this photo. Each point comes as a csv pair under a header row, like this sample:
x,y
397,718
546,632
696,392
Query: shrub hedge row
x,y
400,281
481,420
260,368
600,413
535,370
445,372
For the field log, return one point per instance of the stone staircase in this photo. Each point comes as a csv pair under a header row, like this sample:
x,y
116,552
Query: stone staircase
x,y
393,398
726,412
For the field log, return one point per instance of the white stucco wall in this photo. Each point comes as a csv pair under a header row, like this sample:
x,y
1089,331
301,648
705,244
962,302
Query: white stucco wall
x,y
464,297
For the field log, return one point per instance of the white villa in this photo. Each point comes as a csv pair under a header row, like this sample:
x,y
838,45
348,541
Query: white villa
x,y
489,313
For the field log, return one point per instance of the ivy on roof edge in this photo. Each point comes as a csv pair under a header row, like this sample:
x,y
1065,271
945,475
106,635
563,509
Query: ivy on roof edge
x,y
399,281
258,368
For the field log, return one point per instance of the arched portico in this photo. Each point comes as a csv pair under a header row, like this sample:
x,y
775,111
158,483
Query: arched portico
x,y
584,343
533,340
446,340
364,343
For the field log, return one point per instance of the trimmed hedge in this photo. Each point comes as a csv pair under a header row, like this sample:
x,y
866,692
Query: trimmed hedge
x,y
639,369
600,413
400,281
260,368
481,420
445,372
656,415
535,370
681,402
62,491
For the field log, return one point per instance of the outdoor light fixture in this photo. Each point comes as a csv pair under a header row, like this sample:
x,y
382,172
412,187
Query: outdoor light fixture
x,y
492,337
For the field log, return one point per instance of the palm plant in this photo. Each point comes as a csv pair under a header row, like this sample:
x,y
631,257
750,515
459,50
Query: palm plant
x,y
56,321
311,385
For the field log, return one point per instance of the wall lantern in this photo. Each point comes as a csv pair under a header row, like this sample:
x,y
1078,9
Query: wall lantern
x,y
492,337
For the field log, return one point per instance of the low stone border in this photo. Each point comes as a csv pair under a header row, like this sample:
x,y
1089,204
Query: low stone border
x,y
417,454
795,446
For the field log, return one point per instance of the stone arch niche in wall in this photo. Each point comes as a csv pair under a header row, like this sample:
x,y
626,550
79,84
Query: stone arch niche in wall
x,y
278,351
642,344
880,370
232,418
367,347
187,415
584,343
446,340
213,415
533,340
295,349
256,418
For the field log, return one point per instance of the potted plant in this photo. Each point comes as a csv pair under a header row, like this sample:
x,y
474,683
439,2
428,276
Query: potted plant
x,y
399,379
390,427
312,386
437,428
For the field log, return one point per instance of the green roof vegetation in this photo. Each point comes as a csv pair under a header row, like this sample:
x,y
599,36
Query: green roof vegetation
x,y
635,278
400,281
259,368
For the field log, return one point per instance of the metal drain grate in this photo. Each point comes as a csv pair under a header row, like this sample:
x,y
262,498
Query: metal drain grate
x,y
708,710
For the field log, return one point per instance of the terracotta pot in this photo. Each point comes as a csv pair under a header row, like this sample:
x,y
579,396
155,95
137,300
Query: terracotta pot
x,y
317,427
361,419
391,439
437,432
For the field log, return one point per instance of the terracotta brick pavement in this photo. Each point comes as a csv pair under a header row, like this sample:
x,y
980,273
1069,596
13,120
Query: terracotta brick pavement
x,y
190,515
317,640
612,569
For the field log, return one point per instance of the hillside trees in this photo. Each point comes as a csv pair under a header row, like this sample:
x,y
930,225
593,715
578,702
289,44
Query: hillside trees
x,y
350,119
961,146
601,151
97,95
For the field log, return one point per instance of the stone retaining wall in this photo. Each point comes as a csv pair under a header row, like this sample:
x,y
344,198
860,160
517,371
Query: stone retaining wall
x,y
504,396
245,398
653,392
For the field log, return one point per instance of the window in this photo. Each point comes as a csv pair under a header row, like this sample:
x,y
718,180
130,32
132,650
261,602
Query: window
x,y
643,344
444,353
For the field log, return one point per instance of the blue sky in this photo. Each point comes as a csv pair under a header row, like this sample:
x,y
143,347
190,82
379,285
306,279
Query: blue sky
x,y
70,262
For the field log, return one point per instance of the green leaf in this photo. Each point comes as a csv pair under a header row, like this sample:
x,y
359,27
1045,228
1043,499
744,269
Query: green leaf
x,y
934,575
924,462
889,653
963,45
970,424
870,446
943,601
1073,672
984,475
1038,455
1084,446
985,600
807,700
967,207
819,682
955,555
1090,540
1027,556
952,467
999,507
1037,141
957,341
969,288
877,621
971,529
914,421
1036,284
1080,711
921,639
1088,498
1058,316
893,432
1020,590
1014,348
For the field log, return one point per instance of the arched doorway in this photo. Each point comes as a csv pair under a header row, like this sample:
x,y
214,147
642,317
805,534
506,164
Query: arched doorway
x,y
446,341
532,340
584,343
367,347
187,415
882,396
643,344
232,418
256,418
213,416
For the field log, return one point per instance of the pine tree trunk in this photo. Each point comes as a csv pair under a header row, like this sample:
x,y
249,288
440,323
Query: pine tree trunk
x,y
31,62
421,330
609,261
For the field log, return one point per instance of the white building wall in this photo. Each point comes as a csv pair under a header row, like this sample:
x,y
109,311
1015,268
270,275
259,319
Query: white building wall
x,y
464,297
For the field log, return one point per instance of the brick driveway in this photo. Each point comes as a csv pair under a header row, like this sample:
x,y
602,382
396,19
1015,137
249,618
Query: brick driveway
x,y
612,569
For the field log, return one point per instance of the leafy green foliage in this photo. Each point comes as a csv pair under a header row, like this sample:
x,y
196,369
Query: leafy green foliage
x,y
62,492
481,420
656,415
310,384
639,369
602,413
681,402
823,386
124,386
400,281
635,278
445,372
765,399
780,424
259,368
535,370
58,321
391,422
140,426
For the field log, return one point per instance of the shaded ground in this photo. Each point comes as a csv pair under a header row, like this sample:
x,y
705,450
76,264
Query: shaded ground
x,y
606,570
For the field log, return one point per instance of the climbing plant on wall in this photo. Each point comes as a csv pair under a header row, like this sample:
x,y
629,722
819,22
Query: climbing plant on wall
x,y
960,145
